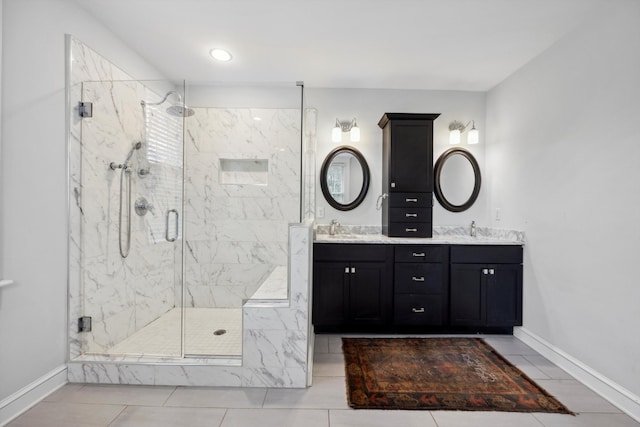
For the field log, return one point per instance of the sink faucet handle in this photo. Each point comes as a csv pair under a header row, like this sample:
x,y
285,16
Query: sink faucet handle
x,y
333,226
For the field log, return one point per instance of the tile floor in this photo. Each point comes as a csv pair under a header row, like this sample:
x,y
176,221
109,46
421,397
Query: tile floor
x,y
162,336
323,405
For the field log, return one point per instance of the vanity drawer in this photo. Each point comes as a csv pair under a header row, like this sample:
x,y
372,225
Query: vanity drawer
x,y
419,278
410,200
411,309
351,252
410,214
486,254
421,253
410,229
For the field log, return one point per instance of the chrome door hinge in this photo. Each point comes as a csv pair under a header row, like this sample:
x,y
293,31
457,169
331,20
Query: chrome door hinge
x,y
84,324
85,109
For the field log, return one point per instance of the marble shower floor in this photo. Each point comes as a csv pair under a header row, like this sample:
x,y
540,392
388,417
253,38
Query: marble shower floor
x,y
162,336
323,405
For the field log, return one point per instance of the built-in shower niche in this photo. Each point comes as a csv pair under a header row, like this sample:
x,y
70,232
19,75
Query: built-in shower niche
x,y
244,171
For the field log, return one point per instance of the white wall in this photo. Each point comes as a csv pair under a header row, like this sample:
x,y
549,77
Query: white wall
x,y
368,106
33,176
563,150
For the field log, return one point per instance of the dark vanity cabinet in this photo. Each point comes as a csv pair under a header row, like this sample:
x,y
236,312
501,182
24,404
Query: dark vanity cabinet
x,y
407,174
421,285
486,285
352,285
412,288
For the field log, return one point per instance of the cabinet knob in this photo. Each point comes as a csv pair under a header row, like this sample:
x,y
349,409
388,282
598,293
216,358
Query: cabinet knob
x,y
417,279
491,271
485,271
418,310
410,230
353,269
346,270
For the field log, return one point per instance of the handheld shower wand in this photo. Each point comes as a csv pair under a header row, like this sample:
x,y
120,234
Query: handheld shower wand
x,y
113,165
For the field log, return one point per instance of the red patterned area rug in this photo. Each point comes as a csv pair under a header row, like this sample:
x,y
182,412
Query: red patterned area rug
x,y
438,373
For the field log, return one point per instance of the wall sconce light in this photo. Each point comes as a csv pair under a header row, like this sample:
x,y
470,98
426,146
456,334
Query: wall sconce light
x,y
346,126
456,128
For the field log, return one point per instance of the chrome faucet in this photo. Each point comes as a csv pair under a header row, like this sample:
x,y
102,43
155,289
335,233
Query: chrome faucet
x,y
473,229
332,228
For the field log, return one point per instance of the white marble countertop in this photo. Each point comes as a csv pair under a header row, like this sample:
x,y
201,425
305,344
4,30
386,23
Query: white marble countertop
x,y
442,235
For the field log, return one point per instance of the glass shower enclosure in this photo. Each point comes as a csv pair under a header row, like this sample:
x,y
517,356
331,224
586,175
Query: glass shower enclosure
x,y
178,212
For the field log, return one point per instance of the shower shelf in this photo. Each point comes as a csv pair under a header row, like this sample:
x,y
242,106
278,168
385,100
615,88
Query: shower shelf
x,y
5,283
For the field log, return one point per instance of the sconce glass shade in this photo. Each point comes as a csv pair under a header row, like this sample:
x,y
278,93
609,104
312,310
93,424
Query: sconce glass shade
x,y
473,137
336,133
454,136
355,133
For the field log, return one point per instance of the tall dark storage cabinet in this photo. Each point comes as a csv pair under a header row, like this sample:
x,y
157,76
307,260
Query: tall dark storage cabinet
x,y
407,174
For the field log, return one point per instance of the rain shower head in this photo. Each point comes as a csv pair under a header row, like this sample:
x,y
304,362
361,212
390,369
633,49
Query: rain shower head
x,y
179,110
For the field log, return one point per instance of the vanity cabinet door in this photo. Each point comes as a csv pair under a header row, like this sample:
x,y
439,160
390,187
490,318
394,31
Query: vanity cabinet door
x,y
330,293
504,295
369,294
352,285
411,150
467,295
486,295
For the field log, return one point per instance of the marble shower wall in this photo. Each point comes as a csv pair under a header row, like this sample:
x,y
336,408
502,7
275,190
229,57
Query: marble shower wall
x,y
121,295
242,190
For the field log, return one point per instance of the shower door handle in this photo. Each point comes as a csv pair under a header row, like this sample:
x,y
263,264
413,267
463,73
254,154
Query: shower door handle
x,y
166,226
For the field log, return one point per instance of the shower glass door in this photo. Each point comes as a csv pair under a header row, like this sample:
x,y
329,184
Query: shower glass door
x,y
131,202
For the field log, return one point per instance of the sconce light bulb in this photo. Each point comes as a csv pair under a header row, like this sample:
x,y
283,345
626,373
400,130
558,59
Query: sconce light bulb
x,y
355,132
473,137
336,133
454,136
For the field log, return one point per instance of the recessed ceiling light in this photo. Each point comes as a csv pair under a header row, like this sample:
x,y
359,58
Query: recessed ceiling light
x,y
220,55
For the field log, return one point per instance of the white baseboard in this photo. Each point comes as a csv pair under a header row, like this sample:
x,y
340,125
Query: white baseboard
x,y
20,401
619,396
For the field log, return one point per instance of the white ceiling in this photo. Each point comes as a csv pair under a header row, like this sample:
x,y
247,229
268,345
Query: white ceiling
x,y
394,44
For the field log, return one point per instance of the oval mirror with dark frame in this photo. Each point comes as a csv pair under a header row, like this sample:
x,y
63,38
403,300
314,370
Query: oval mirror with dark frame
x,y
457,179
344,178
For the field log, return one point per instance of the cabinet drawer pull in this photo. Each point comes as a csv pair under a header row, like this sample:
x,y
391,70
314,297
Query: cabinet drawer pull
x,y
418,310
410,230
418,254
411,215
417,279
411,200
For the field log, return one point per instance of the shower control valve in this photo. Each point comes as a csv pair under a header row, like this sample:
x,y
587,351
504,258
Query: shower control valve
x,y
142,206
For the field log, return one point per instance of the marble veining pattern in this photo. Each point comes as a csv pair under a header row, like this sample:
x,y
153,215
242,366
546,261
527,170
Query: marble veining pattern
x,y
242,191
441,235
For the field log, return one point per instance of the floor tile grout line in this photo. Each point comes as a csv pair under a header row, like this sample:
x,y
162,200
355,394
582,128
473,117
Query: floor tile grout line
x,y
226,411
117,416
175,388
